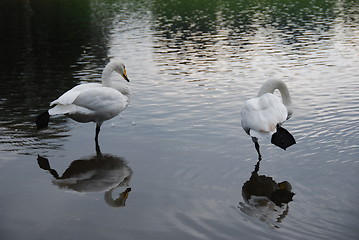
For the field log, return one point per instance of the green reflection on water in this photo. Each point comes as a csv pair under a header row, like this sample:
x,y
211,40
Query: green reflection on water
x,y
46,45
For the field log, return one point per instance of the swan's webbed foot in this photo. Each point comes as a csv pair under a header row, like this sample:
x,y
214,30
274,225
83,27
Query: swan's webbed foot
x,y
282,138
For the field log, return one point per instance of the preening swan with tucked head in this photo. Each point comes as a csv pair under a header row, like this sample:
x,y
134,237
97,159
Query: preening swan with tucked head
x,y
263,115
92,102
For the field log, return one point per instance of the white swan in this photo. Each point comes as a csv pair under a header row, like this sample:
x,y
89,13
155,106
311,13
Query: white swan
x,y
92,102
263,115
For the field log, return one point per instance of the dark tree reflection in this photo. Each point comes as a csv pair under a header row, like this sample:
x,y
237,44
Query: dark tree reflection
x,y
41,44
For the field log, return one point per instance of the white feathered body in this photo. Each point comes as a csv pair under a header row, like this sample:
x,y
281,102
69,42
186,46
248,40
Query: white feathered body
x,y
91,102
261,115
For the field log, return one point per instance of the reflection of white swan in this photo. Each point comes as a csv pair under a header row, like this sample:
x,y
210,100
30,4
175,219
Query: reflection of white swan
x,y
263,115
120,201
99,173
92,102
266,199
95,174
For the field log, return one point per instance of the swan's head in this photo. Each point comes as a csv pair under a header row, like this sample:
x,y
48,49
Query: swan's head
x,y
282,195
289,110
120,68
285,185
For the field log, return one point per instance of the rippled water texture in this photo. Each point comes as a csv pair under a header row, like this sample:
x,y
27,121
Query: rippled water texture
x,y
173,164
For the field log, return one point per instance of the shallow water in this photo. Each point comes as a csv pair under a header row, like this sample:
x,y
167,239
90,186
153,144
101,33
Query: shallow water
x,y
179,145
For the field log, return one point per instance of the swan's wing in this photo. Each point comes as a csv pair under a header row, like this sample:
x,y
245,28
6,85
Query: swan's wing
x,y
252,121
92,104
272,111
262,114
63,109
101,99
70,96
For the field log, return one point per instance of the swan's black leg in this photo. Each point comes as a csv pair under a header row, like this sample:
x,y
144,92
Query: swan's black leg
x,y
98,150
97,132
256,168
256,145
259,153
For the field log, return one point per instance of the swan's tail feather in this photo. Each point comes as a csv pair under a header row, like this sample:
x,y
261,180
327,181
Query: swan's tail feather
x,y
282,138
42,120
260,135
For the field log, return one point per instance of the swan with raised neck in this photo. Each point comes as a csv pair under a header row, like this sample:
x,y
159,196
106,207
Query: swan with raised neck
x,y
92,102
119,67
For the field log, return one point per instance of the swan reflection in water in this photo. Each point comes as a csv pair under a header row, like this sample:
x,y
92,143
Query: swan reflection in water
x,y
266,199
98,173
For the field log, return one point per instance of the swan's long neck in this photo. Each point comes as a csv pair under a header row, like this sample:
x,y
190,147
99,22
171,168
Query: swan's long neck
x,y
120,201
108,198
106,75
118,85
271,85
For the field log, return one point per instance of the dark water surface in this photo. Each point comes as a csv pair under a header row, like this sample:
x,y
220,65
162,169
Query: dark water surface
x,y
179,146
